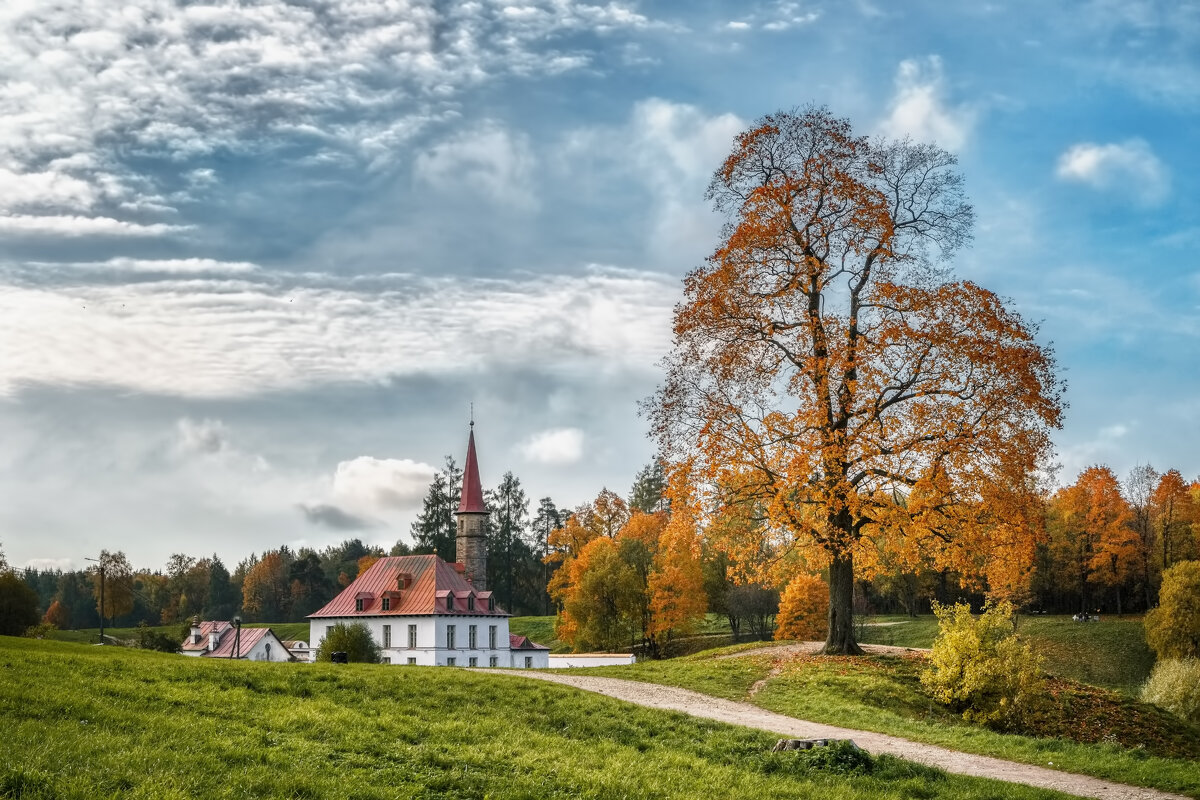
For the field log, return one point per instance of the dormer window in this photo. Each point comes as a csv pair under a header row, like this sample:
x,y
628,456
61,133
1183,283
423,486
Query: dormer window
x,y
358,604
491,604
470,602
387,604
449,602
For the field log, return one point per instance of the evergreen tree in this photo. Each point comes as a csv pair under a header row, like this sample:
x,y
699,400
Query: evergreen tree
x,y
509,515
649,488
222,595
436,527
548,519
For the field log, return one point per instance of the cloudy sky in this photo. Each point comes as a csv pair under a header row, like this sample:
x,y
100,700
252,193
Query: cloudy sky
x,y
258,257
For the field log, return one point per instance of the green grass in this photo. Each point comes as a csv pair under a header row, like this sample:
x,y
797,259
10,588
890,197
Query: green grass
x,y
1112,653
540,630
1129,742
712,632
113,722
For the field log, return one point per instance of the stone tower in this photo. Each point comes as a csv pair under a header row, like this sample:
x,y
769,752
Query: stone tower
x,y
472,544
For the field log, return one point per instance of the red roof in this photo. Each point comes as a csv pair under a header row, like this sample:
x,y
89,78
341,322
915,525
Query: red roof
x,y
431,577
472,491
225,640
523,643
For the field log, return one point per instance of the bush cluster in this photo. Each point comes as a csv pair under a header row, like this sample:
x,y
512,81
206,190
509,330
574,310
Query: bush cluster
x,y
353,640
978,666
1174,685
803,609
1173,629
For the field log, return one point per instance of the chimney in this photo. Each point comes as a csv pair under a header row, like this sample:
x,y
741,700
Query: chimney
x,y
195,630
214,639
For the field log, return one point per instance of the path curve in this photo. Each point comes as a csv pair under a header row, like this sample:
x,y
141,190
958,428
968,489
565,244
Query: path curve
x,y
671,698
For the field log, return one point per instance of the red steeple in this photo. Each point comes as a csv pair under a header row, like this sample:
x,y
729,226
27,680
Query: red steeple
x,y
472,491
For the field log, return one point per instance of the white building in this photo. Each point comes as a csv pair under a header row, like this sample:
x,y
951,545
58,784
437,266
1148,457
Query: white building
x,y
422,610
215,639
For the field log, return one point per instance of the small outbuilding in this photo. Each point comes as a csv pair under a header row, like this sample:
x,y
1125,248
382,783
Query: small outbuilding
x,y
218,639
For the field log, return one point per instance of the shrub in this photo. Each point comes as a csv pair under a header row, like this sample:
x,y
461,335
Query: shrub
x,y
39,631
150,639
1174,685
353,640
1173,629
18,604
803,609
979,668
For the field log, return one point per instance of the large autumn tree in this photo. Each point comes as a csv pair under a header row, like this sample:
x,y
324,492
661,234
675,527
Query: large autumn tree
x,y
828,367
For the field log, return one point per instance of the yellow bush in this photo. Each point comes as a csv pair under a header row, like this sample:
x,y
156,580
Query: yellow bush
x,y
980,668
803,609
1173,629
1174,685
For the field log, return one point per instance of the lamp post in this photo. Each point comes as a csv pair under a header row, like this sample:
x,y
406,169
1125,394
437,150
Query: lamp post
x,y
237,637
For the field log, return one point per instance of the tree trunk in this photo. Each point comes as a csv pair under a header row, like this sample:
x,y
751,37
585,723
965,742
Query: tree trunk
x,y
841,608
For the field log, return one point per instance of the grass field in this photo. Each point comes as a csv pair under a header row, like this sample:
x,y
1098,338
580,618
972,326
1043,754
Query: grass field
x,y
1083,729
114,722
1111,653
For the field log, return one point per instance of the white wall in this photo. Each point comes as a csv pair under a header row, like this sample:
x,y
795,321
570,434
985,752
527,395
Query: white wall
x,y
539,659
589,660
268,648
431,647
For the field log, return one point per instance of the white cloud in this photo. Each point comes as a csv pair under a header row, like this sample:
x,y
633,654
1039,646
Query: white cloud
x,y
555,446
50,564
382,483
236,336
737,25
1130,167
201,437
919,108
151,79
73,226
488,160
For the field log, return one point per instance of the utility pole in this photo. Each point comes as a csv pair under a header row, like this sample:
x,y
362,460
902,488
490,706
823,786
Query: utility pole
x,y
100,568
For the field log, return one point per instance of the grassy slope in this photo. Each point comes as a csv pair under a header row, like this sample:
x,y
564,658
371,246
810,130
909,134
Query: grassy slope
x,y
1112,653
882,694
88,722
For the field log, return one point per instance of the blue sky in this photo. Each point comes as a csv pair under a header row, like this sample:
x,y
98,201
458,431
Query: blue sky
x,y
257,259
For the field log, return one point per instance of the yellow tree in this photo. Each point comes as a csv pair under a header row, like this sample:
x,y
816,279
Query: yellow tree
x,y
803,608
1091,534
826,365
677,599
113,578
1171,505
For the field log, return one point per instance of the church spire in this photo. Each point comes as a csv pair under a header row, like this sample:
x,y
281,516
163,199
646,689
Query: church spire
x,y
472,490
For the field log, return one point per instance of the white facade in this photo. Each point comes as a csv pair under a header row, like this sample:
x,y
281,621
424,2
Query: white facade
x,y
431,640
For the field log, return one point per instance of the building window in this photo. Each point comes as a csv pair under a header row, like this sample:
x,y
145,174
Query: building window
x,y
528,662
472,662
387,635
449,662
412,662
494,661
470,602
471,638
449,602
449,637
387,604
358,604
385,660
491,637
491,604
412,637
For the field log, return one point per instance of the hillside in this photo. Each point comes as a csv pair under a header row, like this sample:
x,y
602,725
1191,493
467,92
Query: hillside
x,y
1080,728
87,722
1111,653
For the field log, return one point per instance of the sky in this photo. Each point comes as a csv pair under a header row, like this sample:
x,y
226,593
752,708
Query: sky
x,y
258,259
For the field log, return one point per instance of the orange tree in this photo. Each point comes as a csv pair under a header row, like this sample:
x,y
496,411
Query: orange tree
x,y
826,365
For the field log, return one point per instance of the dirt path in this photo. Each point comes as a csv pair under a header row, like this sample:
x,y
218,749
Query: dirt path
x,y
700,705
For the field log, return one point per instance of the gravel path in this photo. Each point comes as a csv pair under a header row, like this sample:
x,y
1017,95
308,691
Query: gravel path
x,y
700,705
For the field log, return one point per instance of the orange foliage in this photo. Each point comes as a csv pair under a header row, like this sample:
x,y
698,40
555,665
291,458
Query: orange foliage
x,y
676,586
1174,511
1092,534
826,372
365,563
57,615
266,591
803,609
